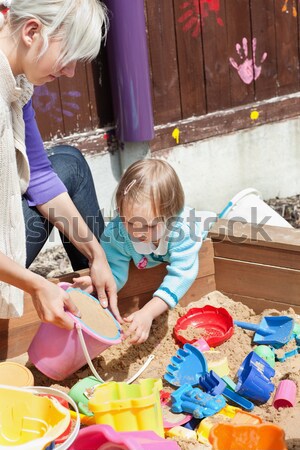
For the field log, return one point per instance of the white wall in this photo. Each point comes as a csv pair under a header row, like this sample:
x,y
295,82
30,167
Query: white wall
x,y
214,170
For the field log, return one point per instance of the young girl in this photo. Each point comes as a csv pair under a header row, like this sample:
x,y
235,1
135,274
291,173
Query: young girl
x,y
152,226
41,40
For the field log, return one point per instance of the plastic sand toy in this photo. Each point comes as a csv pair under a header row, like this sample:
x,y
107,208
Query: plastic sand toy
x,y
196,402
244,437
186,367
104,437
214,385
129,407
215,325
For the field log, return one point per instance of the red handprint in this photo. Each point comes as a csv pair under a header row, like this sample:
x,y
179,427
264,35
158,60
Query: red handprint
x,y
195,13
247,70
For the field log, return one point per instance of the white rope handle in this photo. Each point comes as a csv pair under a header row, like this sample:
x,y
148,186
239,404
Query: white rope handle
x,y
92,367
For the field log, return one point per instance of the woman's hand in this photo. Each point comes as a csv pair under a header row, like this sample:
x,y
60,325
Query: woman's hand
x,y
105,285
140,326
50,302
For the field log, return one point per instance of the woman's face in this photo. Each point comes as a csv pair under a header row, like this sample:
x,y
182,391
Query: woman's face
x,y
141,223
43,69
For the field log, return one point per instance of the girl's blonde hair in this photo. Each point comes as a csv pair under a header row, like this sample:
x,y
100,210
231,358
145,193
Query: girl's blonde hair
x,y
81,24
153,181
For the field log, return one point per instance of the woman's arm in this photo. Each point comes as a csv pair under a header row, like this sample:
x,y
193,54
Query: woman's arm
x,y
62,212
49,299
48,194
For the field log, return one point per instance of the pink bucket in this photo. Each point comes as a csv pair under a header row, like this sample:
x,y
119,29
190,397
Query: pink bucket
x,y
58,352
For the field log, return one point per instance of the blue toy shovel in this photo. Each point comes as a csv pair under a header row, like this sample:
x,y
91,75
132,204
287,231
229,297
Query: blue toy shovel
x,y
214,385
273,330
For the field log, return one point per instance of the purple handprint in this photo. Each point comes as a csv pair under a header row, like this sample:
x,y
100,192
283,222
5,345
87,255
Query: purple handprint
x,y
247,70
46,101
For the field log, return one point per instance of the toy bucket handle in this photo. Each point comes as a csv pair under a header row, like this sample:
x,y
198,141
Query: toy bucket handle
x,y
92,367
55,392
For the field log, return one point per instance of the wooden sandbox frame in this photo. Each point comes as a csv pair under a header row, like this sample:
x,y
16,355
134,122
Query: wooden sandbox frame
x,y
259,266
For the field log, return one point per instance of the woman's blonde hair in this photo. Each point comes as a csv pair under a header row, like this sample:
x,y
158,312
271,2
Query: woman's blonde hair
x,y
153,181
81,24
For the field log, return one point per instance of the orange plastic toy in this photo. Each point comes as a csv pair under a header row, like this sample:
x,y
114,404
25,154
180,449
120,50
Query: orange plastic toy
x,y
266,436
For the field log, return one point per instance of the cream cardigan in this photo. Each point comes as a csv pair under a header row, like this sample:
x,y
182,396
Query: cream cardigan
x,y
14,179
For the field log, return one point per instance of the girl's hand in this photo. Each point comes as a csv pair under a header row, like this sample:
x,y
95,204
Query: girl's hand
x,y
83,283
50,302
140,326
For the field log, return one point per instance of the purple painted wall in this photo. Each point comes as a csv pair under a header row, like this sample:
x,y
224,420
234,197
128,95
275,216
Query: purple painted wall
x,y
129,70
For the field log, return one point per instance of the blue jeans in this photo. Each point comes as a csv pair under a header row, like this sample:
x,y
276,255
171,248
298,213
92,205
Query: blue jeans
x,y
73,170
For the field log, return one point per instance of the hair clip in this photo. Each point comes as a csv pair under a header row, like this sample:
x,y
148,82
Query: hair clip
x,y
129,186
6,3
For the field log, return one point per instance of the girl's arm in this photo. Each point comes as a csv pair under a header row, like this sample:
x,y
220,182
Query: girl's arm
x,y
183,267
62,213
49,299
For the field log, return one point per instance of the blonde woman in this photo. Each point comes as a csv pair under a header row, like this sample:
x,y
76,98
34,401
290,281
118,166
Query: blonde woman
x,y
39,42
153,226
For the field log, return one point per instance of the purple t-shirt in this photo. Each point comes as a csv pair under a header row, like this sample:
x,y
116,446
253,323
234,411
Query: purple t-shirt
x,y
44,183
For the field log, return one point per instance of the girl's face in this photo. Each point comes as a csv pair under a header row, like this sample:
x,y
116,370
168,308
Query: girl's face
x,y
42,69
141,223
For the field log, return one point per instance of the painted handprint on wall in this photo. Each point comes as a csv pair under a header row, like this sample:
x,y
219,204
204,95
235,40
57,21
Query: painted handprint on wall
x,y
46,101
195,12
247,69
285,7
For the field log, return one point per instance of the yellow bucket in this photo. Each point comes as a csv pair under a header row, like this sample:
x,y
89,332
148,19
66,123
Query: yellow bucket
x,y
129,407
28,421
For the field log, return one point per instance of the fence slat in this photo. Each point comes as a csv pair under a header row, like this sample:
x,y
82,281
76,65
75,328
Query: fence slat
x,y
75,101
239,48
287,48
216,56
163,56
190,58
47,104
263,30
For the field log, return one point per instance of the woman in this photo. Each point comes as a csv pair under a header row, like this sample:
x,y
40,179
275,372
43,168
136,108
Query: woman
x,y
39,42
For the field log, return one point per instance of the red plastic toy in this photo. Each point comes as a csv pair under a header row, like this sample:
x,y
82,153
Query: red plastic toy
x,y
217,325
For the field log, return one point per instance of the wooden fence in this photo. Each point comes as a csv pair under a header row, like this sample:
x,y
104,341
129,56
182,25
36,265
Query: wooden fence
x,y
206,57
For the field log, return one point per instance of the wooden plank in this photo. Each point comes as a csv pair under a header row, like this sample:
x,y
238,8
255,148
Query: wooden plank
x,y
287,48
216,55
75,101
260,304
100,91
190,58
261,255
47,104
163,60
223,122
202,286
263,30
257,280
240,50
266,236
93,93
17,334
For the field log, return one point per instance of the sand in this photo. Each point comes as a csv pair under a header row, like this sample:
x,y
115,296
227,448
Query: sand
x,y
121,361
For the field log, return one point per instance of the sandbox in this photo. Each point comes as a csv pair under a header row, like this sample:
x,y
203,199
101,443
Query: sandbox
x,y
245,269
